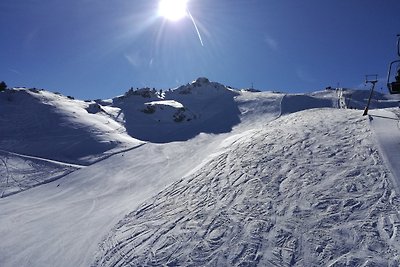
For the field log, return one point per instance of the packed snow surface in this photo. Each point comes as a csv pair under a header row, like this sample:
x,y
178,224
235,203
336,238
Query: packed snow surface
x,y
202,175
301,192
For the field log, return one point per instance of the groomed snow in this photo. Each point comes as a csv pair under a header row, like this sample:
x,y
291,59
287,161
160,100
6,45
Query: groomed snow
x,y
385,125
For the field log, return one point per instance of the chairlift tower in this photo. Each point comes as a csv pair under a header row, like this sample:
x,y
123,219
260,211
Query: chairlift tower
x,y
373,79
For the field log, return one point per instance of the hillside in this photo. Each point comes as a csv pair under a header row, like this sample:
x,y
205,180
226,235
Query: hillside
x,y
301,192
48,125
199,175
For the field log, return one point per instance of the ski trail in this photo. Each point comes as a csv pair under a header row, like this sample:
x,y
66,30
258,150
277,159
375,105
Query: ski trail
x,y
44,160
116,153
265,202
385,125
66,164
23,172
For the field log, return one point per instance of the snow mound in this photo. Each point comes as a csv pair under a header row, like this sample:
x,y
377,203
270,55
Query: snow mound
x,y
309,189
52,126
179,114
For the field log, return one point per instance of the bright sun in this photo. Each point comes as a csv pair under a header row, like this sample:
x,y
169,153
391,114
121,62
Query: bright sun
x,y
173,9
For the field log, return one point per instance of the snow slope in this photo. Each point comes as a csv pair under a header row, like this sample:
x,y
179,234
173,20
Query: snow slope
x,y
300,192
19,172
241,178
79,209
51,126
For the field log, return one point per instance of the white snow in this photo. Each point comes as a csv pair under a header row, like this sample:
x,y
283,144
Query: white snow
x,y
171,103
20,172
387,133
240,178
51,126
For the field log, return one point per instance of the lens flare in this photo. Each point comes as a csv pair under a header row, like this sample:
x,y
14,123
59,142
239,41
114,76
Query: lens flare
x,y
197,29
173,9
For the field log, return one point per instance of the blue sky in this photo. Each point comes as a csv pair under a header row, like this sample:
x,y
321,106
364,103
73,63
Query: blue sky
x,y
101,48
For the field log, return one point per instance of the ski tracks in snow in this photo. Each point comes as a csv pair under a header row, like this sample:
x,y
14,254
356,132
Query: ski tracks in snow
x,y
21,172
291,194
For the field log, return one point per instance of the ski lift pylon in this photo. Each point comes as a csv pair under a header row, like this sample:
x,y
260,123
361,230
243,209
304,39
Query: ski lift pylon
x,y
394,85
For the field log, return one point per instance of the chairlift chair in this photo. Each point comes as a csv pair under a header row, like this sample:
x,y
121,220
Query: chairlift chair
x,y
394,85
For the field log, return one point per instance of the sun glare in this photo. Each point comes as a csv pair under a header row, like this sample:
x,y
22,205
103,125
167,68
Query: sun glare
x,y
173,9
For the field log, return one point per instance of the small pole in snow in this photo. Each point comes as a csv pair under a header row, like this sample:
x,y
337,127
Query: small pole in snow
x,y
370,79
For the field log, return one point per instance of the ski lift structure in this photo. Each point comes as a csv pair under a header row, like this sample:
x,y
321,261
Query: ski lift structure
x,y
373,79
393,77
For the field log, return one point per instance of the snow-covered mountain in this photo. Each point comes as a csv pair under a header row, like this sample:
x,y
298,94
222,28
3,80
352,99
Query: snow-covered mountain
x,y
52,126
202,175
